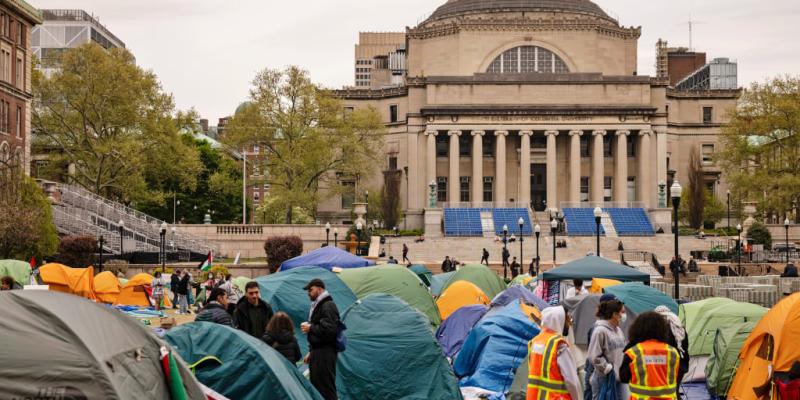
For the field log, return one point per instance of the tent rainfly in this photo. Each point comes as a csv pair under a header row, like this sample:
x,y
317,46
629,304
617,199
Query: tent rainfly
x,y
326,257
595,267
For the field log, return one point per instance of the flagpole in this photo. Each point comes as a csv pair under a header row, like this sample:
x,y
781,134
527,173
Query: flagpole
x,y
244,186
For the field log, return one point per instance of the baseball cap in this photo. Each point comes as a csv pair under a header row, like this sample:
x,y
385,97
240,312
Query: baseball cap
x,y
314,282
608,297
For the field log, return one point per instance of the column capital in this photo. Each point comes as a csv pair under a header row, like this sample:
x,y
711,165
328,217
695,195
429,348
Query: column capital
x,y
622,132
548,133
523,133
478,133
575,133
501,133
599,132
431,133
454,133
645,133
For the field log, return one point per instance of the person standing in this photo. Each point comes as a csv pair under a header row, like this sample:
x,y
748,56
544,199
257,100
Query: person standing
x,y
677,338
577,289
280,336
649,364
506,255
173,283
216,309
447,265
182,291
405,253
514,268
552,373
322,327
6,283
485,257
252,314
232,291
157,286
607,344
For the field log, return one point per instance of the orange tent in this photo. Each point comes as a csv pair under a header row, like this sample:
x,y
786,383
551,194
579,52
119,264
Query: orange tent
x,y
61,278
460,294
106,287
137,292
771,346
598,284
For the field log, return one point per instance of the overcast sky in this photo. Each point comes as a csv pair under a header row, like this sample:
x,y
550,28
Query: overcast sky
x,y
206,52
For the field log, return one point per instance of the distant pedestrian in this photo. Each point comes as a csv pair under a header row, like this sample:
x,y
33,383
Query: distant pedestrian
x,y
280,336
447,264
405,253
234,294
173,283
693,265
790,271
577,289
216,309
391,260
6,283
620,247
182,289
515,267
157,287
252,313
485,257
533,267
322,328
506,255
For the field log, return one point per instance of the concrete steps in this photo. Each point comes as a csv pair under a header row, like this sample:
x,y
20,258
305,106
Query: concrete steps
x,y
487,224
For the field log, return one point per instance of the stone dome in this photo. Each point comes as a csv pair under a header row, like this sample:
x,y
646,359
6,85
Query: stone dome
x,y
455,8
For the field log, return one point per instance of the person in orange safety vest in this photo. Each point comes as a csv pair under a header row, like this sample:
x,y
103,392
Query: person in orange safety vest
x,y
650,365
552,374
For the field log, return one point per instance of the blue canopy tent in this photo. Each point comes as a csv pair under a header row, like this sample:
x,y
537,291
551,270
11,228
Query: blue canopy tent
x,y
326,257
595,267
456,327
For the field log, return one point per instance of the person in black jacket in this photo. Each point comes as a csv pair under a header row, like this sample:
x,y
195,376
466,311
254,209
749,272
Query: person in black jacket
x,y
790,271
280,336
252,314
321,328
216,309
173,284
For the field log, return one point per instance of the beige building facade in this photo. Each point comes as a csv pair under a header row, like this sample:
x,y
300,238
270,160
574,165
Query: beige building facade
x,y
534,104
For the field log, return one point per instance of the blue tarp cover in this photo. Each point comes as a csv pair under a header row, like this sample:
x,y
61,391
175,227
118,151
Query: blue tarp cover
x,y
326,257
456,327
516,292
495,348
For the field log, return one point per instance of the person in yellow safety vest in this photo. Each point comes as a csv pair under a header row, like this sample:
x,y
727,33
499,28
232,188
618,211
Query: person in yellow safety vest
x,y
650,365
552,374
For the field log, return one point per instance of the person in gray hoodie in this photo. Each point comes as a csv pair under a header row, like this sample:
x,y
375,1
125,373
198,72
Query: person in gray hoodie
x,y
607,344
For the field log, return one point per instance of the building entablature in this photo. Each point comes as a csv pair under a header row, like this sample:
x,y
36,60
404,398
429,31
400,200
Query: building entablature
x,y
522,24
704,94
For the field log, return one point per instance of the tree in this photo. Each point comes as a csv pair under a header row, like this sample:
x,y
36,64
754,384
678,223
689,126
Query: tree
x,y
280,249
390,198
759,234
761,148
308,140
694,201
714,210
111,121
273,211
26,219
77,251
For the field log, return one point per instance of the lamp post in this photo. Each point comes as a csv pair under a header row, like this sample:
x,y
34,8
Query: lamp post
x,y
739,247
786,227
553,229
172,242
598,213
396,234
675,192
121,225
358,237
175,204
335,237
163,248
521,223
366,200
728,196
536,231
327,233
505,249
100,242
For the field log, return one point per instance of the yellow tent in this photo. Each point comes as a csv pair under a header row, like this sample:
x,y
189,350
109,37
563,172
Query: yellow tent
x,y
106,287
772,343
598,284
61,278
460,294
137,292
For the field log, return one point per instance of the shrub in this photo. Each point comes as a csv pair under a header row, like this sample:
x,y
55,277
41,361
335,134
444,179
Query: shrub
x,y
759,234
280,249
219,271
77,251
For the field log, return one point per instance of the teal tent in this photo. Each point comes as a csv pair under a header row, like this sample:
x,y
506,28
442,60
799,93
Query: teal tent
x,y
724,356
595,267
640,298
438,281
237,365
423,273
284,292
392,354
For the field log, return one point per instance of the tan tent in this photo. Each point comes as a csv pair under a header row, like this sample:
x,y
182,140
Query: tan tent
x,y
61,278
137,292
106,287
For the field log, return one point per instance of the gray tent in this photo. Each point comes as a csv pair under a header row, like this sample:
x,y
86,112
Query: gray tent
x,y
57,345
583,309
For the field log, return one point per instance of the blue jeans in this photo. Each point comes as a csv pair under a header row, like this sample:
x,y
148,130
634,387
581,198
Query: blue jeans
x,y
622,388
182,301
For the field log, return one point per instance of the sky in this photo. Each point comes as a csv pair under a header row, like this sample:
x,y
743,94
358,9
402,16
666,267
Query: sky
x,y
206,52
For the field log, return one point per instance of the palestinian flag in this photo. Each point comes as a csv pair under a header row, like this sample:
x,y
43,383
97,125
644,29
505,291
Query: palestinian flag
x,y
206,264
32,262
173,376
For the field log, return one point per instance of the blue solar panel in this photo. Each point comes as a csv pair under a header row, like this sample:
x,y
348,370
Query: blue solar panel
x,y
510,217
630,221
462,222
580,222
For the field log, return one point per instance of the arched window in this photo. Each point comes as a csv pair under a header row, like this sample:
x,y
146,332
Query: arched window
x,y
527,60
5,152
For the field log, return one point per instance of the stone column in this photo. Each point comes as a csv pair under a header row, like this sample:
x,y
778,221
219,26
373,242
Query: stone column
x,y
430,161
413,169
454,179
644,189
500,167
661,155
477,166
552,177
621,167
597,166
525,168
575,166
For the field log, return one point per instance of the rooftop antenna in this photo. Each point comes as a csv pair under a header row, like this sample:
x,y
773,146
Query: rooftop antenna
x,y
691,48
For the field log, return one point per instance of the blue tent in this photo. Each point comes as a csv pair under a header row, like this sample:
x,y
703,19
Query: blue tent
x,y
284,292
640,298
495,348
438,281
326,257
516,292
454,329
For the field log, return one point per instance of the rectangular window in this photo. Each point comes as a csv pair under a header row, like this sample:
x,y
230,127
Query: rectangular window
x,y
19,122
488,146
266,186
584,146
631,188
441,188
256,149
441,145
607,148
256,196
19,74
393,113
632,141
708,154
538,142
487,188
584,189
464,145
20,34
608,191
392,163
348,195
464,189
707,114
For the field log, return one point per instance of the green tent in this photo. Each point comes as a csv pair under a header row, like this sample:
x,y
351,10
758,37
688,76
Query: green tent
x,y
702,318
423,273
519,280
479,274
640,298
240,282
721,365
19,270
396,280
438,281
595,267
249,369
392,354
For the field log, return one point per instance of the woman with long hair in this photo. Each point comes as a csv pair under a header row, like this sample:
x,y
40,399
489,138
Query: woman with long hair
x,y
280,335
650,365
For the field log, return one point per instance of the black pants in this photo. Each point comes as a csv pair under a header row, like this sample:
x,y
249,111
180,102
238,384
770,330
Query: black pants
x,y
405,258
322,368
485,260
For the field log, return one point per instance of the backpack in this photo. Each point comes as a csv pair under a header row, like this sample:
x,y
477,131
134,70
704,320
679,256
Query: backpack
x,y
341,339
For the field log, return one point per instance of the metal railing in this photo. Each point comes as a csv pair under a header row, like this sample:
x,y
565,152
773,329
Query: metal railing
x,y
483,204
602,204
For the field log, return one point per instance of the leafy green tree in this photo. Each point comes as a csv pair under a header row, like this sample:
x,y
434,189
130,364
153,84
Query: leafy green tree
x,y
761,145
306,135
714,209
759,234
26,219
273,211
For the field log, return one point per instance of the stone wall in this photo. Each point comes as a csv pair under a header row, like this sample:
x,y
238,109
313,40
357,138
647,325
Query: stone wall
x,y
253,270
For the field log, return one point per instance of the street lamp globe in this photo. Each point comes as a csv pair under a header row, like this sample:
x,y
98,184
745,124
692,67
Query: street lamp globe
x,y
554,224
163,227
358,226
174,229
598,212
676,190
328,226
121,223
537,229
521,221
786,222
505,228
739,227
